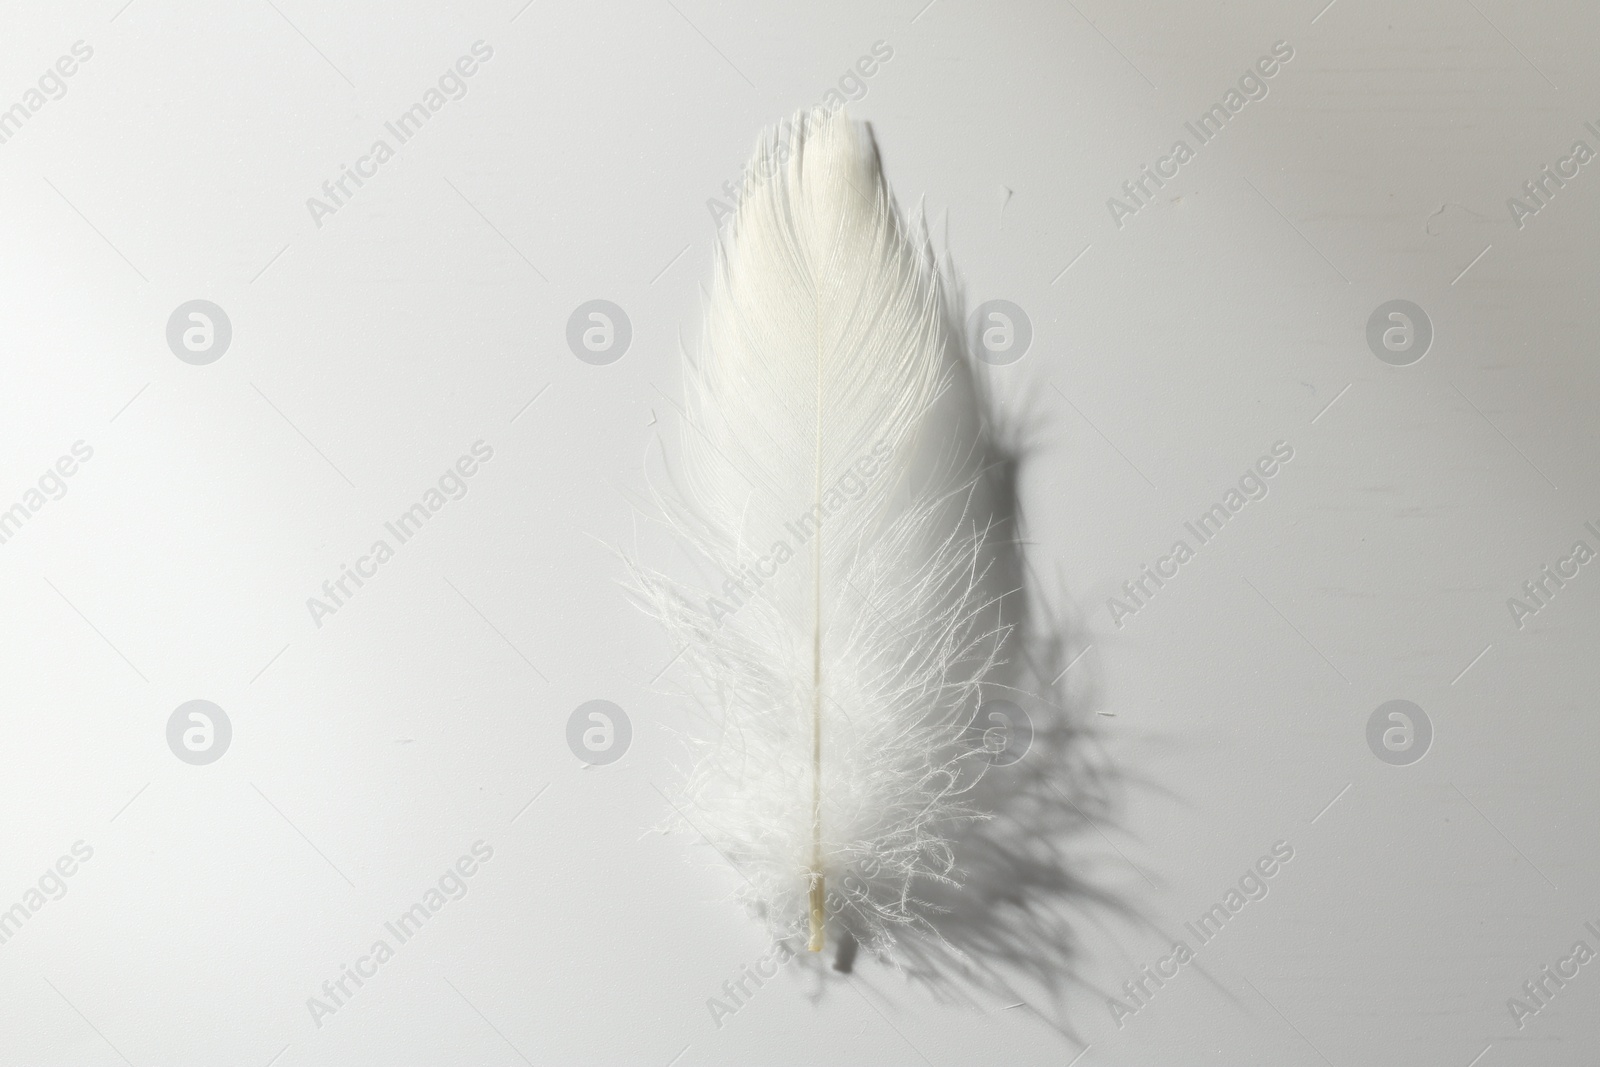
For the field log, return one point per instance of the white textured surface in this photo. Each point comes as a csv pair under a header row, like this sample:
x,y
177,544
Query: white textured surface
x,y
371,352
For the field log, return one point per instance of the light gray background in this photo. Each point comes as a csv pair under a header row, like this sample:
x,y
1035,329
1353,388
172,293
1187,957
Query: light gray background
x,y
368,754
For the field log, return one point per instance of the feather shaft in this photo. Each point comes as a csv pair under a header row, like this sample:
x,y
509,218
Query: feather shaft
x,y
817,901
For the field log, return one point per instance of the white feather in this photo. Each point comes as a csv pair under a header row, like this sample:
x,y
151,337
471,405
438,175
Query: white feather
x,y
828,481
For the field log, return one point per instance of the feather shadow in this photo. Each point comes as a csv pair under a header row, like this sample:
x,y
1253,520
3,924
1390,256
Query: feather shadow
x,y
1012,920
991,893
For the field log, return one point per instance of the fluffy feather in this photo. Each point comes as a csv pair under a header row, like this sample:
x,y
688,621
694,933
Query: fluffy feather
x,y
827,475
